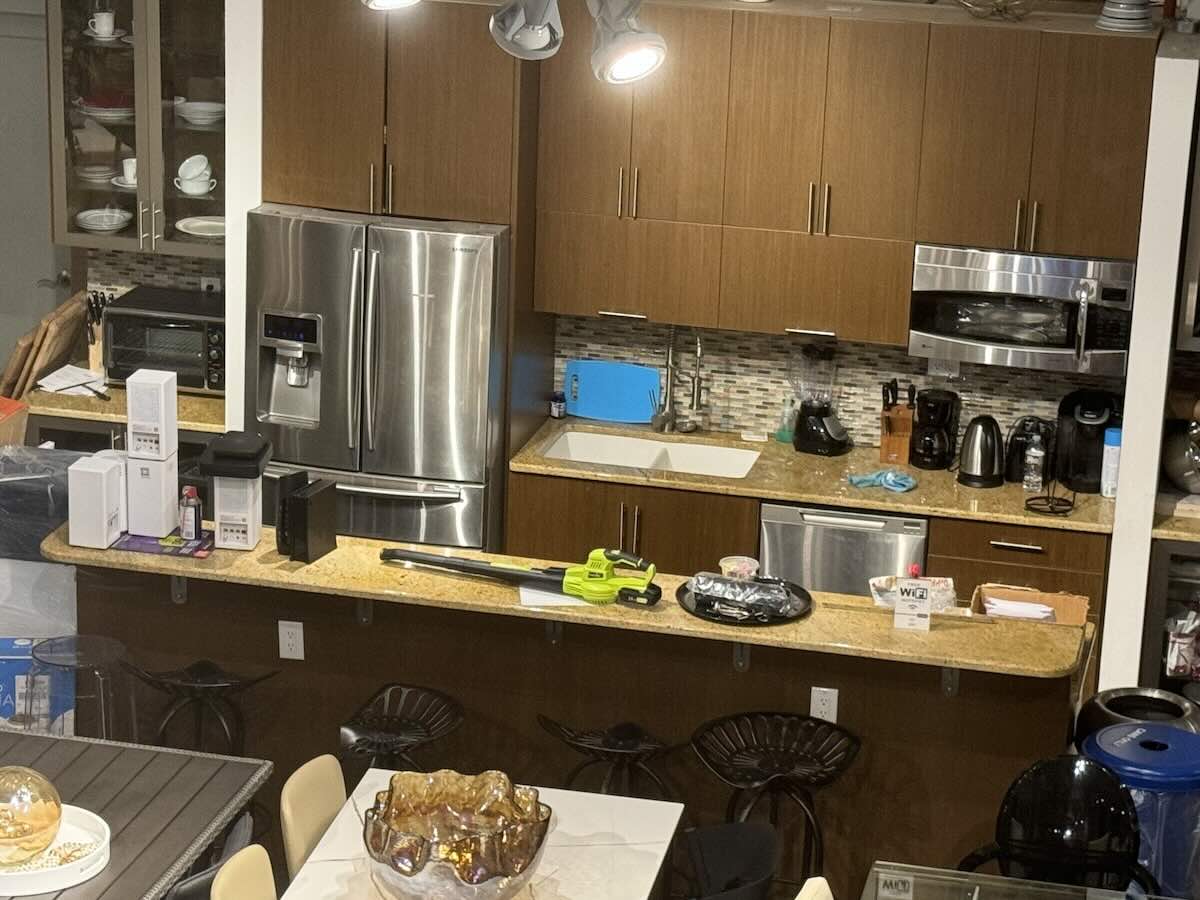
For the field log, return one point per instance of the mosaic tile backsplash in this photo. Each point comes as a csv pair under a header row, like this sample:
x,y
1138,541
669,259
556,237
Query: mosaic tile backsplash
x,y
113,270
745,375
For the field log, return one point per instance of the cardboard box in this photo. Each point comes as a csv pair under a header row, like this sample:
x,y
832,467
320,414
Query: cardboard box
x,y
153,495
152,407
54,691
1069,609
13,416
94,502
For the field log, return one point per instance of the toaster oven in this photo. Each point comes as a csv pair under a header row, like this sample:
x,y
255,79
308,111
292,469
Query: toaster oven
x,y
168,329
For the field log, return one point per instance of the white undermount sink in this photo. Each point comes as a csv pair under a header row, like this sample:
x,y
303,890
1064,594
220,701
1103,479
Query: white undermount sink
x,y
644,453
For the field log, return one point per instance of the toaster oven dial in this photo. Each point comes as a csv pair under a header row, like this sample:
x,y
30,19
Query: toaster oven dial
x,y
214,354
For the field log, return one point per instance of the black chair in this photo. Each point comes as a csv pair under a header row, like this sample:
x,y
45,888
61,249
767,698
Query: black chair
x,y
399,719
625,748
733,861
774,756
204,689
1067,820
197,885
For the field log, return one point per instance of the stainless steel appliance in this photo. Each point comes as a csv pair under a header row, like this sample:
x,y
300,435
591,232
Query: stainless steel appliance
x,y
169,329
982,462
375,359
1004,308
836,551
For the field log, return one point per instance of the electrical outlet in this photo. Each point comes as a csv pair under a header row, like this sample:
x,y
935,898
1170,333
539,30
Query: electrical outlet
x,y
210,284
823,704
291,640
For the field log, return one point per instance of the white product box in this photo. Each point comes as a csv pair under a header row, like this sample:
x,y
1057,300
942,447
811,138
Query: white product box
x,y
121,456
94,501
153,411
153,486
237,512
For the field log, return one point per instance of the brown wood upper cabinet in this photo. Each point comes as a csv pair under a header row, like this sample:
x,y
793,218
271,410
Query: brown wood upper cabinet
x,y
654,150
978,135
1086,184
323,126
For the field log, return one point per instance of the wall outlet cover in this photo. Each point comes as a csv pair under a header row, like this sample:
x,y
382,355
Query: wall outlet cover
x,y
210,283
824,704
291,640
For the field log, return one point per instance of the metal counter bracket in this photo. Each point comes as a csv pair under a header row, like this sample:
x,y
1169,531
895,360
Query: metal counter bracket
x,y
178,590
741,657
554,633
950,682
364,611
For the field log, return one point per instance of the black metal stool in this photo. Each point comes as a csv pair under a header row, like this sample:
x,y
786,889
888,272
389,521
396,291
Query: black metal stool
x,y
776,755
204,688
399,719
625,748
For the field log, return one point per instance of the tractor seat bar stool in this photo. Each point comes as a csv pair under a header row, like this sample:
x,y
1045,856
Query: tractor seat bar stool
x,y
399,719
625,748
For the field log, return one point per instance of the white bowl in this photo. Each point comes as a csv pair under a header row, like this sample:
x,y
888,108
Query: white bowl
x,y
195,167
193,110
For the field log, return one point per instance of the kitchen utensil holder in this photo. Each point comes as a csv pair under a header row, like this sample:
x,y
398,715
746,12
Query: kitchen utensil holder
x,y
895,435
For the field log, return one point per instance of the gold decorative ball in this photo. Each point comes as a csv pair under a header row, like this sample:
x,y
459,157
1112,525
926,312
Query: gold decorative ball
x,y
30,813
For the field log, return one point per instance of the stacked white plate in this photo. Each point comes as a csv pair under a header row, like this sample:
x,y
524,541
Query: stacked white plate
x,y
106,113
95,174
201,112
103,221
1125,15
211,227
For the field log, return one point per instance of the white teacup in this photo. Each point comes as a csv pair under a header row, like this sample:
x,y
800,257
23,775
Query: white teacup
x,y
129,170
196,186
102,23
195,167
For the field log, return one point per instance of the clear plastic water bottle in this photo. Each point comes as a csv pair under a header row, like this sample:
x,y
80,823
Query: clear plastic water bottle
x,y
1035,462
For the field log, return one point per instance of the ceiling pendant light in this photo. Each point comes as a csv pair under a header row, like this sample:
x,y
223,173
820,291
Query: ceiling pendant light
x,y
623,51
384,5
528,29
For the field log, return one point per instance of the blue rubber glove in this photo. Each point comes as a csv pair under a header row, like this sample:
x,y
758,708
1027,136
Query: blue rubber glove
x,y
891,479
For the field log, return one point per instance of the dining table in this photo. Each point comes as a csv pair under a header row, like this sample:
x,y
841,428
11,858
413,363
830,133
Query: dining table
x,y
163,806
599,847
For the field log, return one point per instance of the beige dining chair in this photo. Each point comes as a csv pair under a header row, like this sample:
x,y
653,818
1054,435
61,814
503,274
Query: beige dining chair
x,y
245,876
812,889
310,800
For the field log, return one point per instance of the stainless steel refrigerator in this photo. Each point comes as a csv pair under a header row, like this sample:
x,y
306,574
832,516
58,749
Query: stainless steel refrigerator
x,y
375,358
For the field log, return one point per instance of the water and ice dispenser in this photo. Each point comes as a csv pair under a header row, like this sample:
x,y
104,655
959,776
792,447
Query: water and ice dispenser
x,y
289,369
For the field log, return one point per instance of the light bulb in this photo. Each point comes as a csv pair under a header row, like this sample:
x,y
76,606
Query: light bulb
x,y
384,5
635,64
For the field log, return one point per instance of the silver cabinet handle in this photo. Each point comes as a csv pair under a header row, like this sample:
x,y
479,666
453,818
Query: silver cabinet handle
x,y
825,211
1033,224
1017,226
369,373
811,332
353,383
621,533
1012,545
620,191
390,198
424,496
637,530
155,237
633,205
141,234
371,188
812,204
612,314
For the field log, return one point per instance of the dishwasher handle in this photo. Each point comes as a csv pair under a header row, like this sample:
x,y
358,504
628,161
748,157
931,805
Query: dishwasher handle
x,y
863,523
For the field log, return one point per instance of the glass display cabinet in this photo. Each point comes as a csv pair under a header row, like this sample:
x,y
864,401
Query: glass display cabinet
x,y
137,102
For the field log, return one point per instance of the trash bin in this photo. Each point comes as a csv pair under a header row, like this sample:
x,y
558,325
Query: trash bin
x,y
1160,765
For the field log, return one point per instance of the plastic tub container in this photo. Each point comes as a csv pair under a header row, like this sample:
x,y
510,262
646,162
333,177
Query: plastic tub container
x,y
739,567
1160,765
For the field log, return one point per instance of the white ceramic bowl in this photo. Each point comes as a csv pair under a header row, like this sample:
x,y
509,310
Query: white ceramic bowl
x,y
195,167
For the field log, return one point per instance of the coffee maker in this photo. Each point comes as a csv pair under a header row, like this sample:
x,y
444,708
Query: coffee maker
x,y
1082,418
818,429
935,431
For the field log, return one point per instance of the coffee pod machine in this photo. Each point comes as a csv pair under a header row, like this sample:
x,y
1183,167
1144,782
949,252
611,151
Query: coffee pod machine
x,y
935,431
1083,417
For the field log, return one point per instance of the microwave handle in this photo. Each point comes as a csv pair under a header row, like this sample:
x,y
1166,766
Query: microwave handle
x,y
1085,292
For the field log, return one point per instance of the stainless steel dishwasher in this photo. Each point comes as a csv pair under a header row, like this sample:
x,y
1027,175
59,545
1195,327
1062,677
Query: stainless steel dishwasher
x,y
836,551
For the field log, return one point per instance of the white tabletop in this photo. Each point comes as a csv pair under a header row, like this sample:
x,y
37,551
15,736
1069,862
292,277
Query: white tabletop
x,y
599,848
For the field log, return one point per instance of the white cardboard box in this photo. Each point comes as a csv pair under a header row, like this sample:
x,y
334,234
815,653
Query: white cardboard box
x,y
94,501
153,486
121,456
152,408
237,513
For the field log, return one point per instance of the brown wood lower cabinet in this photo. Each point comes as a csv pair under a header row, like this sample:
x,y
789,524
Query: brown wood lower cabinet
x,y
681,532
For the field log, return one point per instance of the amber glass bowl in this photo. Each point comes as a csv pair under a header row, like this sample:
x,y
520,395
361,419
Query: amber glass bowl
x,y
445,835
30,813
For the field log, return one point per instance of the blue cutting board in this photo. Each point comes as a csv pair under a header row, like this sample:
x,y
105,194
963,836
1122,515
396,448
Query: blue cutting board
x,y
610,391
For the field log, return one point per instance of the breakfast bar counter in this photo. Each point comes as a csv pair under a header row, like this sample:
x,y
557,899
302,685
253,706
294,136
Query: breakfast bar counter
x,y
838,624
200,414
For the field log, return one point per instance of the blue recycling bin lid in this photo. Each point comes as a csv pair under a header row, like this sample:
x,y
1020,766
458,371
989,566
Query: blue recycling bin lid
x,y
1148,755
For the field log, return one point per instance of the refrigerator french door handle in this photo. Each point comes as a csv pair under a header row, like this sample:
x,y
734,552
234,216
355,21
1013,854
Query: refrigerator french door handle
x,y
424,496
354,382
369,339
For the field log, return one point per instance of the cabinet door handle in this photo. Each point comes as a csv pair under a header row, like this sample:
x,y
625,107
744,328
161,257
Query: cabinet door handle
x,y
612,314
812,204
141,234
811,332
621,534
620,191
637,531
390,199
825,211
1013,545
1033,224
1017,226
155,237
371,189
633,205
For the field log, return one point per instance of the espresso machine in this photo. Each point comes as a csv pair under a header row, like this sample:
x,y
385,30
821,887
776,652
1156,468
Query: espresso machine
x,y
1083,417
935,430
818,429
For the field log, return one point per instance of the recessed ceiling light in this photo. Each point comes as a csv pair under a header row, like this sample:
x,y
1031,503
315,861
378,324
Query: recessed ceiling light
x,y
623,50
389,4
528,29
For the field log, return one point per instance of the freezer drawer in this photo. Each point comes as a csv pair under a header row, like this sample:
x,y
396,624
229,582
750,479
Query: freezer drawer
x,y
395,509
835,551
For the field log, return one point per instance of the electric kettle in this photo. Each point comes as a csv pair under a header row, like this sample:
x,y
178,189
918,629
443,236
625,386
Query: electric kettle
x,y
981,464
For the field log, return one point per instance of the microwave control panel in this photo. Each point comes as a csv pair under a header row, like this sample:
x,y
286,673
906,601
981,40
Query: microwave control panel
x,y
214,351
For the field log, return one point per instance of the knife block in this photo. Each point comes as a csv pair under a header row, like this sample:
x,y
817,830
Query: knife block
x,y
895,435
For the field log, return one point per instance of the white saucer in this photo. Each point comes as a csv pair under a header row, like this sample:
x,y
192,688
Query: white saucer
x,y
95,173
128,39
106,38
124,185
103,221
1122,25
202,226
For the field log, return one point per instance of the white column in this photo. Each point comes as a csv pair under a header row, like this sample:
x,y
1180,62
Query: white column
x,y
1155,289
243,182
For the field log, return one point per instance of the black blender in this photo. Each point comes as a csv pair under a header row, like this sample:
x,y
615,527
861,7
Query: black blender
x,y
818,429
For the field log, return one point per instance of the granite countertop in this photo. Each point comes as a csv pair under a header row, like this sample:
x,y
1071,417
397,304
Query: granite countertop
x,y
1176,528
196,412
838,624
781,473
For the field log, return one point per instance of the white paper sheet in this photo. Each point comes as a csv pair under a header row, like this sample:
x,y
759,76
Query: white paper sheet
x,y
537,597
69,380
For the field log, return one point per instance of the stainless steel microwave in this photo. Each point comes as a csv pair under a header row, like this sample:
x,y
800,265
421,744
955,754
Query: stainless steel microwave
x,y
164,328
1002,308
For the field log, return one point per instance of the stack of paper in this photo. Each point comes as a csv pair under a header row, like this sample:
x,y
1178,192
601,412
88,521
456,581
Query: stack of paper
x,y
70,380
1018,609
